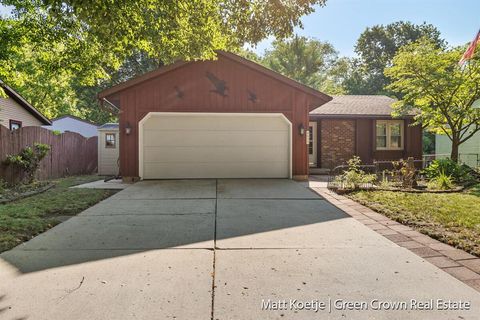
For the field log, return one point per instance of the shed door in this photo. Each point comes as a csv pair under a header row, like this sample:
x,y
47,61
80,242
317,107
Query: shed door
x,y
211,145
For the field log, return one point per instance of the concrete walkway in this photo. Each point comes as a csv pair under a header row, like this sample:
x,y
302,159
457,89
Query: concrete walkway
x,y
220,249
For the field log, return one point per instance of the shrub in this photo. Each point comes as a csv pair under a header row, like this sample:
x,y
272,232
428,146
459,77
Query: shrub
x,y
457,172
29,159
404,173
441,182
353,177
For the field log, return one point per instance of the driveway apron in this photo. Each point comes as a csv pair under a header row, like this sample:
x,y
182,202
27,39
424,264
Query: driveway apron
x,y
219,249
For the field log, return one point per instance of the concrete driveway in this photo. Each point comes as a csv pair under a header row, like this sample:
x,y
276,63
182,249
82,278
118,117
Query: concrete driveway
x,y
220,249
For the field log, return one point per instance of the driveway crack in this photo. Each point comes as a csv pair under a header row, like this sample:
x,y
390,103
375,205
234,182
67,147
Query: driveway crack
x,y
214,250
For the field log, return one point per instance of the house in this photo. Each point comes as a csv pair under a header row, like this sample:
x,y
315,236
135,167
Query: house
x,y
229,118
361,125
73,124
16,112
108,149
468,152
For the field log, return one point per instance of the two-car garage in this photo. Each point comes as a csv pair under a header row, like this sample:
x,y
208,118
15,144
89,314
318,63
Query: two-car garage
x,y
214,145
223,118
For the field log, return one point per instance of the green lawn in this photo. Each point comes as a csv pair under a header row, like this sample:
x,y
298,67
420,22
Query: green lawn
x,y
453,218
23,219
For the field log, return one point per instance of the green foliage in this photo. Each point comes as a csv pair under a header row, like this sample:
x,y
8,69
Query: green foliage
x,y
404,173
309,61
430,83
376,48
441,182
29,159
3,186
459,173
428,142
59,54
354,177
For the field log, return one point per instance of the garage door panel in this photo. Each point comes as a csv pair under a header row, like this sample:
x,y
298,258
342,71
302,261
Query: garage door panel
x,y
198,138
178,146
221,170
216,123
213,154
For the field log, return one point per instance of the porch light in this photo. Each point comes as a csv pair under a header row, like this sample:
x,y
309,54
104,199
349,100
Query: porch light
x,y
301,129
128,129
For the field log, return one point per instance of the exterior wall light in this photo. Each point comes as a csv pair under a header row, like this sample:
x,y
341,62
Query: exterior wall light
x,y
301,129
128,129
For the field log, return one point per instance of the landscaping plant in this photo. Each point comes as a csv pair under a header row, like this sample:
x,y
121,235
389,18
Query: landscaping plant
x,y
354,177
404,173
458,172
441,182
29,159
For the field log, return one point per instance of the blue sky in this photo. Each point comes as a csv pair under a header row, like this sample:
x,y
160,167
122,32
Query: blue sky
x,y
342,21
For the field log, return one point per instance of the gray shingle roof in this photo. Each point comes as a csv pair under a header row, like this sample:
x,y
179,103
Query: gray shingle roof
x,y
108,126
357,105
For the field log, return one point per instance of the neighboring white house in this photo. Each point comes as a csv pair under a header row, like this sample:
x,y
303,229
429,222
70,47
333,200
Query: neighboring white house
x,y
73,124
16,112
108,147
469,151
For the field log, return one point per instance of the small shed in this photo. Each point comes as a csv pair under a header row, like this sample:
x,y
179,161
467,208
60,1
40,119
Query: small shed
x,y
108,149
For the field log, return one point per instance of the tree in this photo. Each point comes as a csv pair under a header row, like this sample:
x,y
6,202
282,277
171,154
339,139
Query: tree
x,y
51,49
168,30
376,48
309,61
137,64
430,81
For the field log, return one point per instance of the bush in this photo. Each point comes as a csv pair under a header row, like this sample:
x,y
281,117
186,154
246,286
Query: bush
x,y
441,182
457,172
29,159
404,173
353,177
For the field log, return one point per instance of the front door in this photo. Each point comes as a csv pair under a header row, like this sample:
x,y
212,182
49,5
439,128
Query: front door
x,y
312,144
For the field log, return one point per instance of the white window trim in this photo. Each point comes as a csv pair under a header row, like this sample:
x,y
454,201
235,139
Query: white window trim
x,y
114,140
388,124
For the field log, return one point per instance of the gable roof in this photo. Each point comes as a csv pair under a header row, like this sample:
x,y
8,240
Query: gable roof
x,y
356,105
74,118
250,64
24,103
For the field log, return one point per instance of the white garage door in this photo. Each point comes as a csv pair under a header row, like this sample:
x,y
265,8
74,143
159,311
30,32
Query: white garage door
x,y
212,145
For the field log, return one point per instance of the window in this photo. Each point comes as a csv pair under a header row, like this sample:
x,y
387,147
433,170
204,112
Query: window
x,y
14,124
389,135
110,140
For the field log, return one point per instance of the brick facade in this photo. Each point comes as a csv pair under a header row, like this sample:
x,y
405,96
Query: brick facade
x,y
337,142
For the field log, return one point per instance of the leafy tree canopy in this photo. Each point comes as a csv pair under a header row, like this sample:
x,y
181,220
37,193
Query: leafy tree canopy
x,y
66,45
429,80
376,48
309,61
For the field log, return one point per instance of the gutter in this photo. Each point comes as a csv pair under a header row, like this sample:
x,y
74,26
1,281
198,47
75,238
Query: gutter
x,y
355,116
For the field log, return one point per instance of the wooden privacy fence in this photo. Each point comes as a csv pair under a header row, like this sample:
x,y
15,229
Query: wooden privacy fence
x,y
70,153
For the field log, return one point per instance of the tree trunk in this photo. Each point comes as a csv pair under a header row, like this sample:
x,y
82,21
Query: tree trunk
x,y
454,153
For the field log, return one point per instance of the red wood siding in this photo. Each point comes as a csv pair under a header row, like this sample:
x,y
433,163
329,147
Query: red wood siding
x,y
159,94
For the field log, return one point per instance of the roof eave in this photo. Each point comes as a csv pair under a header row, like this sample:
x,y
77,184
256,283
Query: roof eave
x,y
25,104
373,116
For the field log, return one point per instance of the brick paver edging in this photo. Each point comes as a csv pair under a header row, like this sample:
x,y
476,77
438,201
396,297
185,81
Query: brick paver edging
x,y
460,264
